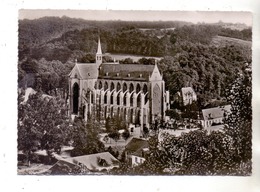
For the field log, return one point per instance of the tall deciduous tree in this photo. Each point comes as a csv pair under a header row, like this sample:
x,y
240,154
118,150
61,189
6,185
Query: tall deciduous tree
x,y
85,137
239,122
42,123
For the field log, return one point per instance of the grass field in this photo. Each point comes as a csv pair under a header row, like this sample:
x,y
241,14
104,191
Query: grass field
x,y
222,41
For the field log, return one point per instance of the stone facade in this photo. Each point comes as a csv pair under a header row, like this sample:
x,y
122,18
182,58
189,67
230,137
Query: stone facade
x,y
134,92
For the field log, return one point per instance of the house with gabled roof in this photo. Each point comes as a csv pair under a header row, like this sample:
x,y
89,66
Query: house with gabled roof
x,y
136,150
86,164
215,116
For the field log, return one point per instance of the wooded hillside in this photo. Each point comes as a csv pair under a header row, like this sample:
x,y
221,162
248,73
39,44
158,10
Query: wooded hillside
x,y
206,57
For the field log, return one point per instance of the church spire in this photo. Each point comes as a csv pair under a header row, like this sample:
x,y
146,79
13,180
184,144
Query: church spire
x,y
99,53
99,47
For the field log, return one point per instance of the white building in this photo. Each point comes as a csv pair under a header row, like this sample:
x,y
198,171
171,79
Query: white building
x,y
136,150
215,116
188,95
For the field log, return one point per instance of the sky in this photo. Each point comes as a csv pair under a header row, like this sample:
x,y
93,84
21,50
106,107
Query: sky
x,y
190,16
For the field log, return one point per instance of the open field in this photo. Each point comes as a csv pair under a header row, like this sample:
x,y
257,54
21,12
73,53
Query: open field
x,y
222,41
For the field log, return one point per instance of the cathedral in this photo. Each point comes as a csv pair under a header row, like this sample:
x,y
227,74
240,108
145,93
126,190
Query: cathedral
x,y
134,92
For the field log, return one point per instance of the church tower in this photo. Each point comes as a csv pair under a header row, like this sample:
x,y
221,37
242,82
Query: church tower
x,y
99,54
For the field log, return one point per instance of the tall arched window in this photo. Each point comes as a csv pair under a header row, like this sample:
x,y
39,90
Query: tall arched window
x,y
105,98
124,99
100,85
118,99
112,86
145,88
105,86
137,117
75,98
139,100
132,115
131,88
146,98
124,87
92,97
118,86
111,99
138,88
105,112
132,100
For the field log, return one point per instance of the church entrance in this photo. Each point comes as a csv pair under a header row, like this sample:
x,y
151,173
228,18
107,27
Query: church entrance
x,y
75,98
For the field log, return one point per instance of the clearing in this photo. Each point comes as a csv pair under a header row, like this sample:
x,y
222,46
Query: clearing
x,y
223,41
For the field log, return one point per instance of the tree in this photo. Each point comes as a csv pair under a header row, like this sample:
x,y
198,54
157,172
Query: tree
x,y
239,122
199,153
109,124
190,110
114,153
145,61
156,160
173,114
106,59
114,135
173,38
30,66
127,61
115,123
145,131
42,124
85,138
126,134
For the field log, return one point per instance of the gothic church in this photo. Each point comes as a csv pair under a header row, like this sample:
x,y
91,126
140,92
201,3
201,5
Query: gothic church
x,y
134,92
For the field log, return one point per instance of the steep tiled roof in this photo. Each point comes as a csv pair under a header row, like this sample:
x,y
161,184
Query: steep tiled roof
x,y
91,161
216,112
125,71
63,166
86,70
136,146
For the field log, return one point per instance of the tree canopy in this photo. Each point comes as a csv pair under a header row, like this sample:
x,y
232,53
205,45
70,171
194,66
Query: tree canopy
x,y
42,123
85,138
